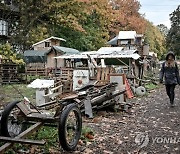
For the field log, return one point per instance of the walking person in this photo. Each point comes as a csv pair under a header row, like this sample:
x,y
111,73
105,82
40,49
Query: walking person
x,y
170,73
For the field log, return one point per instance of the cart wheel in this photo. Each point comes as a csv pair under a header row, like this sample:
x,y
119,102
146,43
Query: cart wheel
x,y
12,120
70,125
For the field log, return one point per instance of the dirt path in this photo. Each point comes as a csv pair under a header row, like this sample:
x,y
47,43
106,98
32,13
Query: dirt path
x,y
152,127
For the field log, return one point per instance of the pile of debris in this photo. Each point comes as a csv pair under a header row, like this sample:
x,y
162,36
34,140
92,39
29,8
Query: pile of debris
x,y
98,97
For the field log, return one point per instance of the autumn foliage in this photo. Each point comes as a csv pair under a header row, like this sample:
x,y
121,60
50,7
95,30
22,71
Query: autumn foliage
x,y
85,24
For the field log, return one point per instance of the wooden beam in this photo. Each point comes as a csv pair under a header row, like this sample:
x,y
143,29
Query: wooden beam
x,y
28,131
19,140
24,108
48,103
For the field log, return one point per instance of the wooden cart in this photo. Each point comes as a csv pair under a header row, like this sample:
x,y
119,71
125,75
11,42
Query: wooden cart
x,y
20,119
18,115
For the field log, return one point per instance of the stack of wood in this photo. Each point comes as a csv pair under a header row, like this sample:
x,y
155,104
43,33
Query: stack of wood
x,y
98,97
8,72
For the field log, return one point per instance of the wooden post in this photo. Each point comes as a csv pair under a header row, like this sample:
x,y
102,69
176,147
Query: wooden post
x,y
36,126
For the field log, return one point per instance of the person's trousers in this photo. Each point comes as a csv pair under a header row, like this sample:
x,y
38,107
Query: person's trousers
x,y
170,92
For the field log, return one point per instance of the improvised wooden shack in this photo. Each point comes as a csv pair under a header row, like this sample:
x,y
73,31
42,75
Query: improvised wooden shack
x,y
36,59
52,64
122,59
98,62
101,57
41,62
35,62
130,40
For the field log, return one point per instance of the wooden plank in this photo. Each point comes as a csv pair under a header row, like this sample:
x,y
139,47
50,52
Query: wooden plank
x,y
19,140
48,103
55,88
102,74
70,97
28,131
41,117
98,74
24,108
107,73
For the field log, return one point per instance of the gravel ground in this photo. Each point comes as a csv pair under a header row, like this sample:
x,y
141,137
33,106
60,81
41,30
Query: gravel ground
x,y
151,127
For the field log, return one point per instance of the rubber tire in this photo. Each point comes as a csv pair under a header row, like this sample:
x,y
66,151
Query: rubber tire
x,y
4,118
62,124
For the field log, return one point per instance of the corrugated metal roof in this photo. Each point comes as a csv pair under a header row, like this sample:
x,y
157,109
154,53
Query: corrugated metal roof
x,y
89,53
64,50
109,50
127,35
120,54
74,56
113,41
134,56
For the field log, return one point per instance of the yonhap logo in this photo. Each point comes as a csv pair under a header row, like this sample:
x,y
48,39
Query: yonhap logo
x,y
166,140
142,139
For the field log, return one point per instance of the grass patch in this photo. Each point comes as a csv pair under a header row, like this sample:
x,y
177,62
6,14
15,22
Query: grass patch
x,y
10,92
87,134
48,134
151,86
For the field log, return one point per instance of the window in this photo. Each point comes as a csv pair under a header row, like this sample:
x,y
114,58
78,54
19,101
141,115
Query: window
x,y
3,27
47,44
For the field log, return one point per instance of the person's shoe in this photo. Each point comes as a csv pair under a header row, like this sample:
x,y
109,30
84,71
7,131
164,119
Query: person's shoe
x,y
171,104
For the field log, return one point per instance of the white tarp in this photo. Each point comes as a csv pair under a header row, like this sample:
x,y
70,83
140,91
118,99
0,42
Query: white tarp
x,y
39,84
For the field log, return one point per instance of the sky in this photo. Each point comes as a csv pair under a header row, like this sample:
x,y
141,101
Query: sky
x,y
157,11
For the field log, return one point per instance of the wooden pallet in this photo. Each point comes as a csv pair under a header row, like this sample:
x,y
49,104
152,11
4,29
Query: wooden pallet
x,y
103,75
36,71
67,86
66,79
66,74
8,73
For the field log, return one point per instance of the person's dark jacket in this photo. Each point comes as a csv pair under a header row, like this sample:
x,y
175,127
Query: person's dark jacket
x,y
170,74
